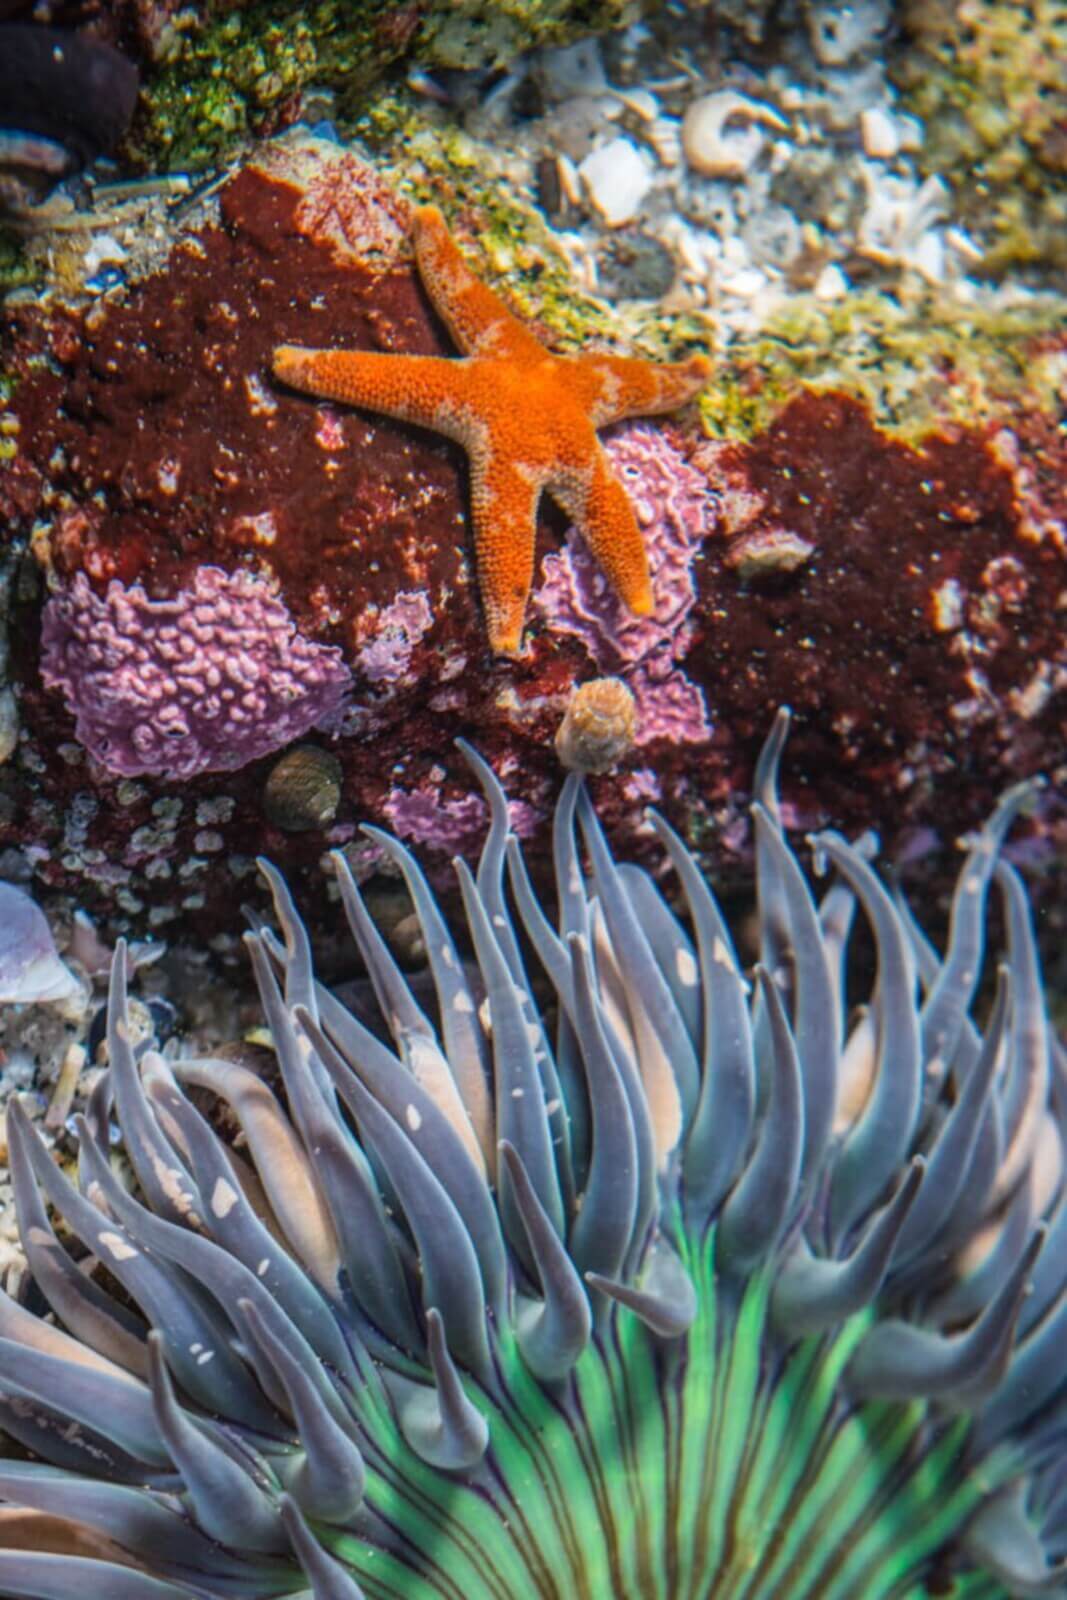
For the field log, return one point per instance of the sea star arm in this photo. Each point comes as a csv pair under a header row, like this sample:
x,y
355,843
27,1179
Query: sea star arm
x,y
603,514
477,319
614,387
504,513
426,390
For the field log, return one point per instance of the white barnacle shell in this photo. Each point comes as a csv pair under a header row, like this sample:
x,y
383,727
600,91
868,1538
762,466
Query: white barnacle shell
x,y
30,968
599,726
721,133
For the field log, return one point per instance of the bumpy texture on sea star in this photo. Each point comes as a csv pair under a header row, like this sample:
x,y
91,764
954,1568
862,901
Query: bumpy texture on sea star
x,y
526,418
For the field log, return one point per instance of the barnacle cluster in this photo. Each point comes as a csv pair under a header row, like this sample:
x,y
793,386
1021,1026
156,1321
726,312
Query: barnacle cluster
x,y
609,1275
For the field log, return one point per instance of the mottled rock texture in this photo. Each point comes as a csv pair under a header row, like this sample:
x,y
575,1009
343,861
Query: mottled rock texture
x,y
989,80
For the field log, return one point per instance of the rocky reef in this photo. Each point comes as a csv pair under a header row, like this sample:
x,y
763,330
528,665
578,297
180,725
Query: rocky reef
x,y
988,80
218,73
903,595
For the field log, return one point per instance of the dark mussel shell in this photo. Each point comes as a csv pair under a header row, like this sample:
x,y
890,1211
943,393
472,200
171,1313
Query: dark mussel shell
x,y
64,100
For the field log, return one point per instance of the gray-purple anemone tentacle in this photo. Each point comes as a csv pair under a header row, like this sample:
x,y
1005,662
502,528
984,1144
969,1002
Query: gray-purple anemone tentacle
x,y
612,1268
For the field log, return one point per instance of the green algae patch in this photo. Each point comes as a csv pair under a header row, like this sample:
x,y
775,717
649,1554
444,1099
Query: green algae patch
x,y
17,270
917,364
988,79
242,73
466,33
239,74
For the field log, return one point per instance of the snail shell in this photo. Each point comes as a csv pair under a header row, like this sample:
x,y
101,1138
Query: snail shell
x,y
303,789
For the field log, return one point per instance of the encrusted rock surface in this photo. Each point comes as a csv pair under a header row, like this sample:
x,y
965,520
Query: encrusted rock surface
x,y
989,81
907,600
218,72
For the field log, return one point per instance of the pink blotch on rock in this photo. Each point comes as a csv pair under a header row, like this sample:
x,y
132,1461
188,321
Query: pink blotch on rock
x,y
674,511
455,825
206,681
669,705
345,203
386,656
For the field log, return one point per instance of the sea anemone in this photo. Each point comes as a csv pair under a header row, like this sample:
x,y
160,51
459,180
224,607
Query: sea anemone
x,y
611,1274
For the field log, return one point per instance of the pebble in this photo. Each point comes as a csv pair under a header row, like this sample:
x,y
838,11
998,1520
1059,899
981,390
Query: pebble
x,y
880,134
839,32
617,179
303,789
635,266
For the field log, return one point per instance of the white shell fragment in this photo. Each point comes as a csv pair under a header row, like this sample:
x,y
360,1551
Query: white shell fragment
x,y
616,178
30,968
831,284
767,551
899,226
880,134
721,134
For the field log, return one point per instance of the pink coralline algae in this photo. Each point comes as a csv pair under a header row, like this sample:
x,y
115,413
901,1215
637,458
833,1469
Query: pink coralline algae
x,y
206,681
675,512
386,656
456,826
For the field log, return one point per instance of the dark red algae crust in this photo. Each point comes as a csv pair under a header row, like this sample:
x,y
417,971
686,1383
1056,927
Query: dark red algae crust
x,y
908,604
174,442
924,638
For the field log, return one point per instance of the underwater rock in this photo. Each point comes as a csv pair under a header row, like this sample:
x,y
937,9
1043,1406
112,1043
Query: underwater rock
x,y
988,81
64,100
903,597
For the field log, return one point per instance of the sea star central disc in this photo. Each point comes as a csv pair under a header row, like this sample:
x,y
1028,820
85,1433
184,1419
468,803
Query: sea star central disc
x,y
526,418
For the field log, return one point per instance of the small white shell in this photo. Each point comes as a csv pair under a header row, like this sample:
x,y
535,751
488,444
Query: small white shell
x,y
767,551
719,151
616,177
30,968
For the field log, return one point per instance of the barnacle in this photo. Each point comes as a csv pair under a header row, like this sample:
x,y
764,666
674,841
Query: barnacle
x,y
598,726
674,1286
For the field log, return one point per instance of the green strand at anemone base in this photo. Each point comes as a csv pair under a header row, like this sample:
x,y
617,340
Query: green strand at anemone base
x,y
722,1467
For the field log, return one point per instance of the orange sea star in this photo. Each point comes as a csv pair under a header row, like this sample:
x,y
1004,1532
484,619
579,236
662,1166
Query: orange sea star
x,y
526,418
